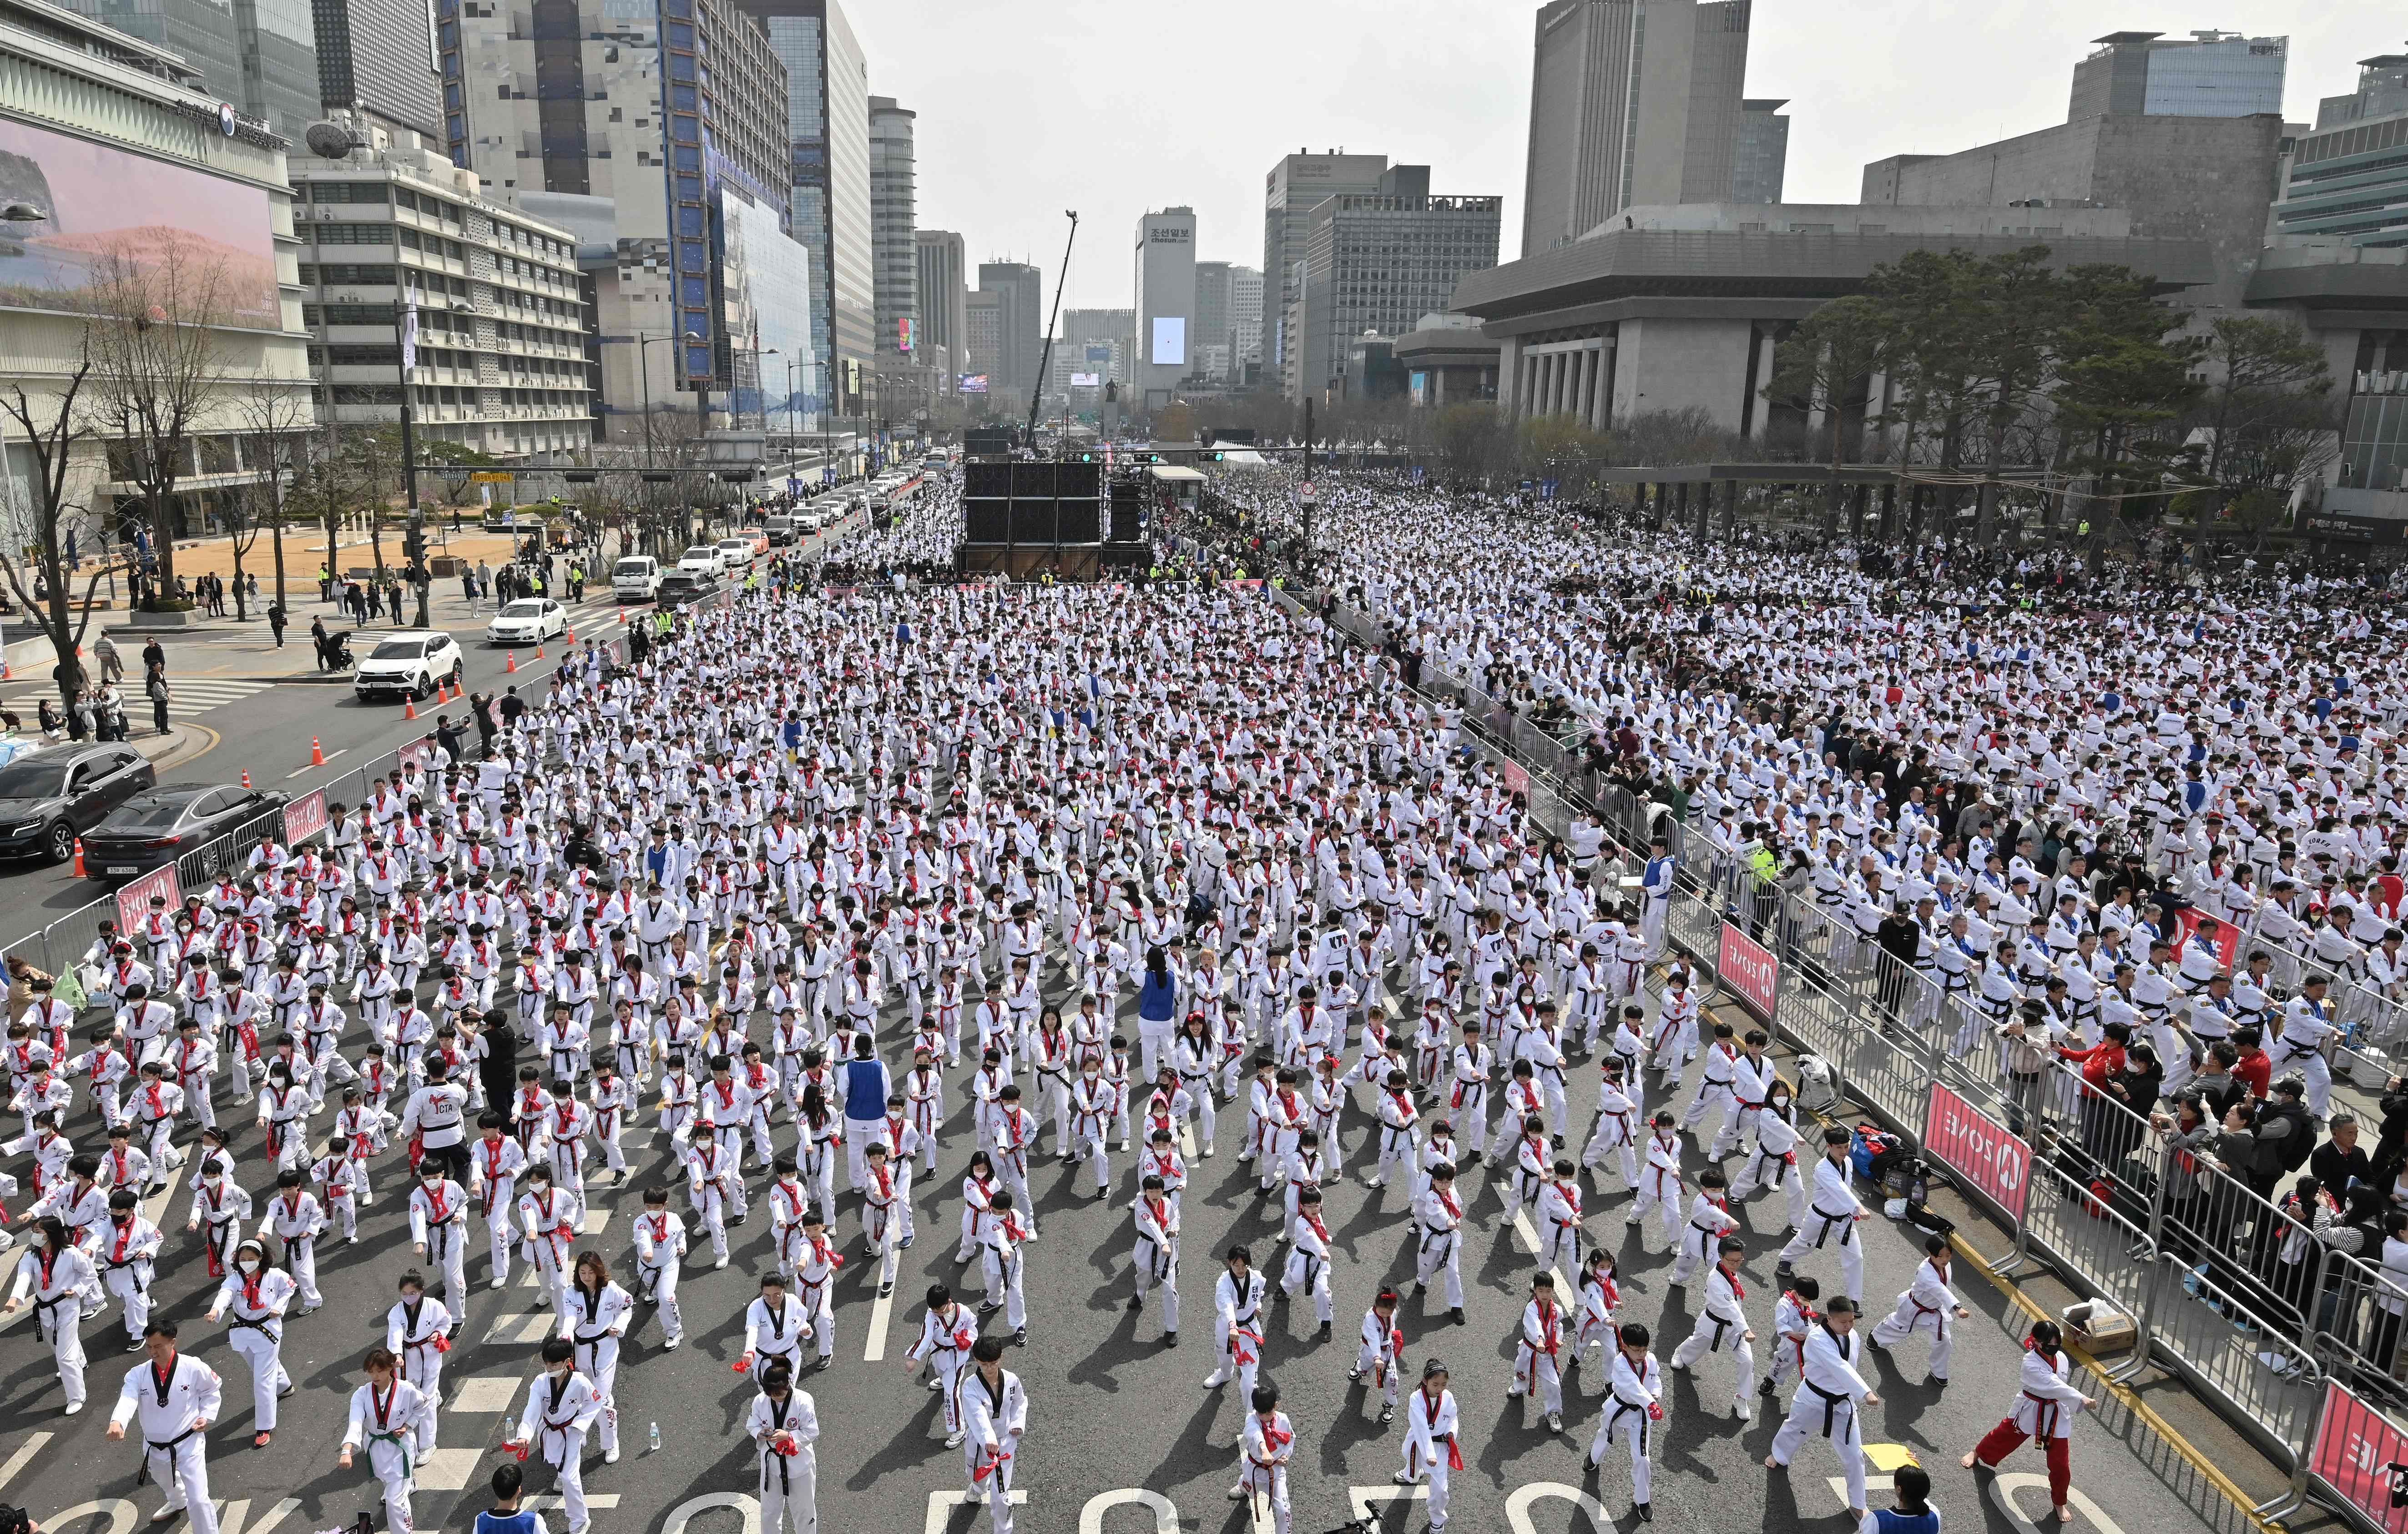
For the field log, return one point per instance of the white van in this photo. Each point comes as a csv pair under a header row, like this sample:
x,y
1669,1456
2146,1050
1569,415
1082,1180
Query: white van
x,y
636,579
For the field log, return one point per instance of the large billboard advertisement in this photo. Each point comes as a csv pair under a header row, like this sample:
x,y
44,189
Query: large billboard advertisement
x,y
118,226
973,383
765,307
1170,341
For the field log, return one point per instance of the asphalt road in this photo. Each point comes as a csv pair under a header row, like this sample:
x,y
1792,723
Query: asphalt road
x,y
1117,1418
266,730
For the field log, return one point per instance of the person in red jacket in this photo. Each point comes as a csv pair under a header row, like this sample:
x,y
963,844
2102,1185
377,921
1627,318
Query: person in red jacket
x,y
2254,1069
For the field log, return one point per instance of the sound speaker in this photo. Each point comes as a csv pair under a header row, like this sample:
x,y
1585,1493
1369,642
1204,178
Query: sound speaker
x,y
987,521
1033,481
986,482
1076,481
1128,514
1032,521
1081,522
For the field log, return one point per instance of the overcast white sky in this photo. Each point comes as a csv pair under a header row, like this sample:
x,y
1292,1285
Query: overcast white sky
x,y
1115,106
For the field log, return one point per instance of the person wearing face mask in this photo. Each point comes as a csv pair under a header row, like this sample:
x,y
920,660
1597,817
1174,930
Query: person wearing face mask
x,y
394,1422
220,1206
128,1245
1094,1099
597,1317
256,1297
439,1226
561,1407
54,1271
783,1424
415,1333
176,1397
1773,1164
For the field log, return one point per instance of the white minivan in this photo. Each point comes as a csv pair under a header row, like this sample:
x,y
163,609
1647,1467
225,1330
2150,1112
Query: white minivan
x,y
636,579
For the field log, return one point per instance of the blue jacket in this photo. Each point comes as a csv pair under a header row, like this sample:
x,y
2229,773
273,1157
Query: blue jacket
x,y
1157,997
866,1086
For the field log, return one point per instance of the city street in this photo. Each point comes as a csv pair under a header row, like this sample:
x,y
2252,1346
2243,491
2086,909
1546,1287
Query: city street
x,y
1116,1419
252,708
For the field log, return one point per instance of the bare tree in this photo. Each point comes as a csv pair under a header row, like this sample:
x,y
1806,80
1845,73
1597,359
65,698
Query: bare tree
x,y
155,360
276,443
52,428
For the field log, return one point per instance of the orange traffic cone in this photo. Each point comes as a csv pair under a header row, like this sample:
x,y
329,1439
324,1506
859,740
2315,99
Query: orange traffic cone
x,y
79,861
539,652
317,753
246,776
511,662
568,636
408,710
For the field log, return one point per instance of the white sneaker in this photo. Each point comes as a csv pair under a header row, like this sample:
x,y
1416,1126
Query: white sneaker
x,y
611,1457
670,1344
954,1440
74,1407
722,1262
1217,1379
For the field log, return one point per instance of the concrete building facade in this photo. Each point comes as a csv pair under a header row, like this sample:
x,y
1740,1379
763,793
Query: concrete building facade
x,y
1165,259
1631,101
1290,189
894,216
1680,307
941,282
1760,158
102,135
1020,328
500,342
2205,178
1378,262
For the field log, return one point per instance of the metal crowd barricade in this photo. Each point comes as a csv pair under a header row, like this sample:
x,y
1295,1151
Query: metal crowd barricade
x,y
2360,1309
2267,1383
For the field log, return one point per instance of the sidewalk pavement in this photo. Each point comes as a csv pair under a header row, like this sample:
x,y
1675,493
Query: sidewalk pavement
x,y
223,647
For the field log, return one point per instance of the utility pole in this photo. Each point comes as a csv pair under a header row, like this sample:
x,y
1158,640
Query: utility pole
x,y
1308,495
405,322
1045,359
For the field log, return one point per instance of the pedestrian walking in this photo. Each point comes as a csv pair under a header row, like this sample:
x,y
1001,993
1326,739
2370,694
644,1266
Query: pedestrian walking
x,y
154,687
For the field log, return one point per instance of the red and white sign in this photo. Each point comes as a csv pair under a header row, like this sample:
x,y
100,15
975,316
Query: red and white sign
x,y
305,817
415,755
133,900
1978,1149
2192,925
2355,1450
1516,776
1751,970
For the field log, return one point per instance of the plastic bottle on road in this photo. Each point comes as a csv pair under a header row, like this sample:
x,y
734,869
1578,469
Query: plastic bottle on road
x,y
652,1439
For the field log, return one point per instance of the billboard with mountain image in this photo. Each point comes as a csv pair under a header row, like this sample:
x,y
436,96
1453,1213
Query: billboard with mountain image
x,y
85,219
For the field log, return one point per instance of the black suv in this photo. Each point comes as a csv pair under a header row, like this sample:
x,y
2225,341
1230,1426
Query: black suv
x,y
49,798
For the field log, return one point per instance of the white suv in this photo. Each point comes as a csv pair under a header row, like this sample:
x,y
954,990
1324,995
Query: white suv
x,y
409,662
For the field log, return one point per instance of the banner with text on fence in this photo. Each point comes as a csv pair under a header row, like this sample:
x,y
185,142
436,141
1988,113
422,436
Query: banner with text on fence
x,y
305,817
1978,1149
1751,970
133,900
2355,1450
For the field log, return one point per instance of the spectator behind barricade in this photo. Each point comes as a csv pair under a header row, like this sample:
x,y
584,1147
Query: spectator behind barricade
x,y
2287,1137
2341,1162
2252,1068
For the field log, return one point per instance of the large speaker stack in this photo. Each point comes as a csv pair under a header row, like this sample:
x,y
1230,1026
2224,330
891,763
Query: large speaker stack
x,y
1027,516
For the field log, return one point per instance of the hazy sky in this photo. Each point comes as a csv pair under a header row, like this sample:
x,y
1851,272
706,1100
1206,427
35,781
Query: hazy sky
x,y
1115,106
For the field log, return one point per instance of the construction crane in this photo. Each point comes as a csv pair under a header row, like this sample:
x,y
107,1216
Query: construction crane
x,y
1045,362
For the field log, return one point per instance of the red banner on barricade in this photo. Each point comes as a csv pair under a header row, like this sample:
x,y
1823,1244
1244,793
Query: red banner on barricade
x,y
1751,970
2356,1452
1978,1149
133,900
305,817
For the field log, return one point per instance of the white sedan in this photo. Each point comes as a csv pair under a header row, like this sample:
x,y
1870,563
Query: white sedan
x,y
530,621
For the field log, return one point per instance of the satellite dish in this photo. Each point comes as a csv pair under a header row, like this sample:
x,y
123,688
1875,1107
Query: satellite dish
x,y
329,140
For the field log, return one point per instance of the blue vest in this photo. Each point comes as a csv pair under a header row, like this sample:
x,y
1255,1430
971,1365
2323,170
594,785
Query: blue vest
x,y
865,1094
1894,1521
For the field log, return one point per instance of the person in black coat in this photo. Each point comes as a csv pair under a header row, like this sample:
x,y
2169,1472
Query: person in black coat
x,y
499,1069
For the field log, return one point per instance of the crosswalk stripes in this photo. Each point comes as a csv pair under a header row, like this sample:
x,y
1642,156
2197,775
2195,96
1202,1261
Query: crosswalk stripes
x,y
188,697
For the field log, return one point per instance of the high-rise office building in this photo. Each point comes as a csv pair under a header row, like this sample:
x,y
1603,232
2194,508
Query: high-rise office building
x,y
262,55
2382,91
1166,298
1289,191
982,350
1020,328
894,213
692,253
1098,340
1760,158
828,124
1245,318
1212,317
1632,102
2208,73
2348,181
943,283
378,57
1379,263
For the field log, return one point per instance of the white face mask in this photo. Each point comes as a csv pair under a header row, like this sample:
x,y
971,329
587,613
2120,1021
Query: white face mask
x,y
249,1265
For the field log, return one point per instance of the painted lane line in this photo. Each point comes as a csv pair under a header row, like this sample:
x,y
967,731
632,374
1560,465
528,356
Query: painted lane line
x,y
26,1451
942,1505
485,1393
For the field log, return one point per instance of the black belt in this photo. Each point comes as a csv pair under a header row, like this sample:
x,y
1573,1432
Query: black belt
x,y
1622,1408
264,1325
1847,1222
1832,1401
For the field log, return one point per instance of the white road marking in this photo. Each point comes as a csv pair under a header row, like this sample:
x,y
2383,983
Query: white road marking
x,y
523,1329
1517,1505
485,1393
596,1219
26,1451
302,768
744,1507
447,1469
942,1505
233,1515
605,1500
1368,1501
881,1311
1565,1296
117,1510
1165,1516
2006,1488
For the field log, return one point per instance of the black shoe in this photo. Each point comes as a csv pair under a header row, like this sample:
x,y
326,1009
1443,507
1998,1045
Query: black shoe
x,y
1420,1289
737,1221
1470,1158
133,1346
1020,1337
1765,1390
905,1245
1456,1315
1170,1338
1137,1302
884,1290
1647,1513
988,1306
1278,1296
1325,1336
